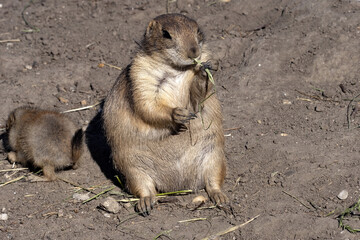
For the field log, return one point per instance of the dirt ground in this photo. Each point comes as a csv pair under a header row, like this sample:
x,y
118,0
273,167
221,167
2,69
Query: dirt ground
x,y
288,84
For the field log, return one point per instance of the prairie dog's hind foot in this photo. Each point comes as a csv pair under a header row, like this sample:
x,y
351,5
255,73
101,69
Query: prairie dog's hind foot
x,y
49,172
218,197
11,157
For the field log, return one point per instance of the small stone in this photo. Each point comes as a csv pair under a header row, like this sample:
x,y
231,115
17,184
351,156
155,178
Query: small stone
x,y
127,205
286,102
110,205
4,217
28,67
81,197
60,213
83,102
318,109
63,100
107,215
343,195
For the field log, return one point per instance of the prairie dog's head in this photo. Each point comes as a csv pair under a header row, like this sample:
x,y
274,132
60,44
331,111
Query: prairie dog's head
x,y
174,37
15,116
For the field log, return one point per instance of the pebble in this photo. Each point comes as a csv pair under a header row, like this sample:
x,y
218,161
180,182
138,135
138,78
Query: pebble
x,y
60,213
4,217
343,195
81,197
286,102
127,205
28,67
111,205
63,100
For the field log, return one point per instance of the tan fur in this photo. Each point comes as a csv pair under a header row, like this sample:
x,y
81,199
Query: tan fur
x,y
152,102
44,139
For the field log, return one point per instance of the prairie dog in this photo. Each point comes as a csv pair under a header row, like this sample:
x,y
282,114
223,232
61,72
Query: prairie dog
x,y
160,139
44,139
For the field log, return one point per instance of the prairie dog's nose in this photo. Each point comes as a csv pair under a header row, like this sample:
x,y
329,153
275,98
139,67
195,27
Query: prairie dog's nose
x,y
194,51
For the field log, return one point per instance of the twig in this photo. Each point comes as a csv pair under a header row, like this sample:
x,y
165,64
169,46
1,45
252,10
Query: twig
x,y
50,214
10,40
230,229
82,108
13,169
317,97
162,233
304,99
296,199
99,194
76,185
347,212
172,193
128,200
236,183
210,207
109,65
32,28
159,195
121,184
12,181
230,129
348,110
131,216
192,220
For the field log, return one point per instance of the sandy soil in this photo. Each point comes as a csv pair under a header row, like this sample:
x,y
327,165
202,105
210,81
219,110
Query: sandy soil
x,y
289,72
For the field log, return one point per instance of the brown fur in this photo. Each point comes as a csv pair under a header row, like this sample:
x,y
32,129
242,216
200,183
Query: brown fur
x,y
154,99
44,139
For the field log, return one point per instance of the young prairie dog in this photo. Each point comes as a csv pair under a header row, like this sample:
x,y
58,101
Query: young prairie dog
x,y
161,139
44,139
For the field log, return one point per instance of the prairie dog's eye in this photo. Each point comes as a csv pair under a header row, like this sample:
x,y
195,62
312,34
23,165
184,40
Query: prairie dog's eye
x,y
166,34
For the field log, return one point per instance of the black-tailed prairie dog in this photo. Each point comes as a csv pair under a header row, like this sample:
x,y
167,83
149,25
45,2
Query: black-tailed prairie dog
x,y
161,118
44,139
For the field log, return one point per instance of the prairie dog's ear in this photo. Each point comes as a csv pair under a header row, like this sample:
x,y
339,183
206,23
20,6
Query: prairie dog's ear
x,y
10,122
153,27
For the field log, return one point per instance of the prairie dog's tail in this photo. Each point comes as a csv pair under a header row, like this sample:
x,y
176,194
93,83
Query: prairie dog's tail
x,y
77,147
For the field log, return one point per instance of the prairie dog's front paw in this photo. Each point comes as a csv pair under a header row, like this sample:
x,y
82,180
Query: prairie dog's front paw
x,y
211,65
182,115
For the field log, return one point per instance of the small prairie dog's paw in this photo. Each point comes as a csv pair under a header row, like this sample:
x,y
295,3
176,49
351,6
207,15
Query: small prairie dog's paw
x,y
145,205
34,178
12,157
49,172
219,198
182,115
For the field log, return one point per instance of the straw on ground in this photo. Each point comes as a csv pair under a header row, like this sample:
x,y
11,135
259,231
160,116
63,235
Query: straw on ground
x,y
231,229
